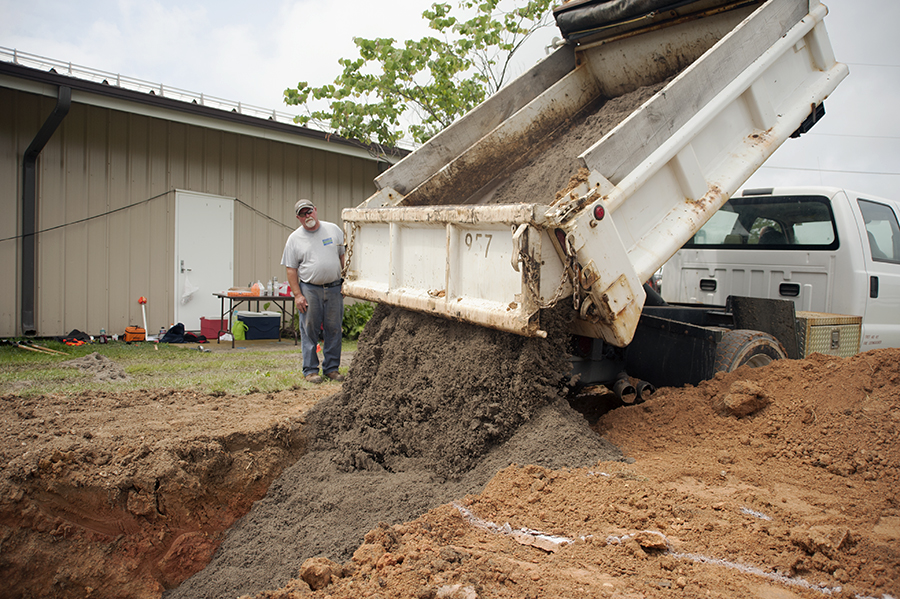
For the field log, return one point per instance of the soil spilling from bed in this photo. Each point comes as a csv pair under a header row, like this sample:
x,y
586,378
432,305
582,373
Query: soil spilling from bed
x,y
431,410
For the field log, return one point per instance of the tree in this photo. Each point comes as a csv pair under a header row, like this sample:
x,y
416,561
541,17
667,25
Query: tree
x,y
426,83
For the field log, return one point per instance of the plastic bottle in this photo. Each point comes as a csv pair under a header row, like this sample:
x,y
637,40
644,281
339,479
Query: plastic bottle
x,y
102,335
162,333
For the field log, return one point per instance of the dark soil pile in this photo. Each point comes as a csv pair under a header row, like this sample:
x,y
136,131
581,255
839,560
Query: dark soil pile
x,y
432,409
436,395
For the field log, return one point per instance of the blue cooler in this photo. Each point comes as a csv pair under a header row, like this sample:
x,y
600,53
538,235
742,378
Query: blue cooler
x,y
261,325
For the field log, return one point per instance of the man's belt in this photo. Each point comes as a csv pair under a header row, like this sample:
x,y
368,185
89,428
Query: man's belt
x,y
327,285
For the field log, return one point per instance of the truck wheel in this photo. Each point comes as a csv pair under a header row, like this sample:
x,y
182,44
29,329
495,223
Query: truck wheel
x,y
753,348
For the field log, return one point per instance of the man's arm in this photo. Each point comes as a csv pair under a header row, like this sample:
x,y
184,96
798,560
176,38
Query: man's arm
x,y
294,282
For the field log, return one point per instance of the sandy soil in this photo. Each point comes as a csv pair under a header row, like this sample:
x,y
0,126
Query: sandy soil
x,y
455,470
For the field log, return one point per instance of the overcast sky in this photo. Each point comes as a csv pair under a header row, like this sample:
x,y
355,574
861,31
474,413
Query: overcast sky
x,y
251,51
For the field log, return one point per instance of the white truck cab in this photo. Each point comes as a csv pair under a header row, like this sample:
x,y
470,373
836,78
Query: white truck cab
x,y
828,250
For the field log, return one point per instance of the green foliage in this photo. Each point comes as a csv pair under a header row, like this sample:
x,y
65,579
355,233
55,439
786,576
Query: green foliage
x,y
437,78
355,318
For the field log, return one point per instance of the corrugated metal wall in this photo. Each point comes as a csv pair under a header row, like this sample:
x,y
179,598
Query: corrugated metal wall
x,y
91,270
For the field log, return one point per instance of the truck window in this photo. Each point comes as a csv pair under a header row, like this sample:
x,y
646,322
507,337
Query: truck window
x,y
882,229
717,228
770,223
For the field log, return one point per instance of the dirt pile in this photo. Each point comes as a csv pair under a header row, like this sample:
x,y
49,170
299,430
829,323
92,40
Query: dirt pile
x,y
436,395
431,410
100,366
796,499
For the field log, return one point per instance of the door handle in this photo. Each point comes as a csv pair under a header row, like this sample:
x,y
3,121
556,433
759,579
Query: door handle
x,y
873,287
789,289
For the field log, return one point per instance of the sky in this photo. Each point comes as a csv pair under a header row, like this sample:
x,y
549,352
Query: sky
x,y
251,52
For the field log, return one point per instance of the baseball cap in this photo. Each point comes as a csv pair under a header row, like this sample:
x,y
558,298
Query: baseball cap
x,y
301,204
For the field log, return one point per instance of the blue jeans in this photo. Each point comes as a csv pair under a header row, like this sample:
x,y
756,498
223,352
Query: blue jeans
x,y
323,318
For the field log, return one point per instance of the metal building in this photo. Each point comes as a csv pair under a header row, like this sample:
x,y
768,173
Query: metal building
x,y
113,193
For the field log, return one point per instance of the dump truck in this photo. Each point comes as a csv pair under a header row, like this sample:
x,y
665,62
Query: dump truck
x,y
581,177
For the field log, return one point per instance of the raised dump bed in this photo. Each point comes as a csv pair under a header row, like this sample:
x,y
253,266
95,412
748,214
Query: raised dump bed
x,y
586,173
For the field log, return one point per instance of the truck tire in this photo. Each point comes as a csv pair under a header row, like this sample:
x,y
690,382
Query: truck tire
x,y
753,348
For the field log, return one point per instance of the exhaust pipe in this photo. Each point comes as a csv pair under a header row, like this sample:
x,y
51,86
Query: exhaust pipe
x,y
645,390
624,390
630,394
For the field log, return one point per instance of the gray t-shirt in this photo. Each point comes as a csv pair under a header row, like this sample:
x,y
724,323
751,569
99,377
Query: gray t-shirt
x,y
315,254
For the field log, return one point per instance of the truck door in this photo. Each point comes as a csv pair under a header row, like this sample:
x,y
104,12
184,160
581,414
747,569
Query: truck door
x,y
881,322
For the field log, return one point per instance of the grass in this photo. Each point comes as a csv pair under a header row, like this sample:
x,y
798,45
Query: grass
x,y
154,367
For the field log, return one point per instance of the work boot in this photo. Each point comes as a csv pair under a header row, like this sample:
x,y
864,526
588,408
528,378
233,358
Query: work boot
x,y
313,378
335,376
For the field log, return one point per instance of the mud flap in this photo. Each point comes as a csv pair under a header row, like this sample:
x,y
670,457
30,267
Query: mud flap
x,y
773,316
671,353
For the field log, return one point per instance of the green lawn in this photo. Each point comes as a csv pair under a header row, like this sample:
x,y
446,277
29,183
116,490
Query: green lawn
x,y
152,366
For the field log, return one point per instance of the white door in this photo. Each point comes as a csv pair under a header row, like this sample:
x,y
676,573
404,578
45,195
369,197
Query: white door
x,y
881,323
204,255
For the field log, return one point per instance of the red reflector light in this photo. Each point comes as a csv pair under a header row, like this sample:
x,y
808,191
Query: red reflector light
x,y
599,212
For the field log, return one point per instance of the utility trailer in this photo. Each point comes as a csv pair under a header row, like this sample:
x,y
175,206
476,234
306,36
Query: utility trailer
x,y
580,178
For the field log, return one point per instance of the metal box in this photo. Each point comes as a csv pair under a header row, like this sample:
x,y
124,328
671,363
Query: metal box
x,y
831,334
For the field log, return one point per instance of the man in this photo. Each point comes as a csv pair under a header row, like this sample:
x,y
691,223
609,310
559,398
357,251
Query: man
x,y
314,259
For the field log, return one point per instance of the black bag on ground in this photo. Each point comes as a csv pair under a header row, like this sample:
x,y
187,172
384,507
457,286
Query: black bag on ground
x,y
177,334
190,337
75,336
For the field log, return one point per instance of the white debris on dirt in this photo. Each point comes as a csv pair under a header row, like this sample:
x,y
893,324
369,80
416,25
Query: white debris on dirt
x,y
523,536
